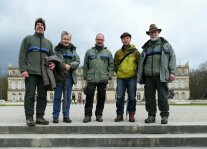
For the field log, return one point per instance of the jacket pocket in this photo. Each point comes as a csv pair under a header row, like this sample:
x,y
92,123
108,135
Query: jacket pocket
x,y
104,77
90,75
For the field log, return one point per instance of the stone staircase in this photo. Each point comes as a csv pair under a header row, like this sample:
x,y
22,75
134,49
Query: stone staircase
x,y
104,135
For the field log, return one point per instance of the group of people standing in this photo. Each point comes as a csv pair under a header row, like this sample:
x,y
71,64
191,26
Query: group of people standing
x,y
154,67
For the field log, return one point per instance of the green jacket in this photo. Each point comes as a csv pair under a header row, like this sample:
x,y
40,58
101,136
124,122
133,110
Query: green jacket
x,y
68,55
98,65
32,52
129,66
167,64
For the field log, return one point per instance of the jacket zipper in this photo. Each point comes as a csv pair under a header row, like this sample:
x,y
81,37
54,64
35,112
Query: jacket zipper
x,y
40,55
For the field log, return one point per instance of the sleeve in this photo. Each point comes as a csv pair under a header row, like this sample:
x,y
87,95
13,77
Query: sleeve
x,y
172,61
23,56
85,66
76,62
116,62
111,66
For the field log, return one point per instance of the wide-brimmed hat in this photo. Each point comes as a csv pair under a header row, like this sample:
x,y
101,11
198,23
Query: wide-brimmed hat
x,y
153,27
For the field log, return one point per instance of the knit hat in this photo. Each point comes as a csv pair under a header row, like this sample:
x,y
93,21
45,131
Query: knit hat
x,y
40,20
125,34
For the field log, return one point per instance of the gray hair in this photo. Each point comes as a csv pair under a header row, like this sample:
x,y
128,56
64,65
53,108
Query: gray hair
x,y
66,33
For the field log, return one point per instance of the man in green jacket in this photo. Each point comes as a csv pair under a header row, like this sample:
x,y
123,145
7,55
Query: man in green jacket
x,y
126,62
98,69
157,67
33,50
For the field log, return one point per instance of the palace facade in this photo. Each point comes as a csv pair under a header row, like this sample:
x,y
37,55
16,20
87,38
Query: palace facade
x,y
16,86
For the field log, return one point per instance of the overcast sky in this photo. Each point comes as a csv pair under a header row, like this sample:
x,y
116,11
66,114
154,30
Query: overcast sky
x,y
183,24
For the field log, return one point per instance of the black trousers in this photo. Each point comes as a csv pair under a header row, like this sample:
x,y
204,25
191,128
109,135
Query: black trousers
x,y
101,88
31,83
153,84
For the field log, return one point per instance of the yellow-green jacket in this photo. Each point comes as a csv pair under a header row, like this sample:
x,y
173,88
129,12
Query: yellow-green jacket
x,y
129,66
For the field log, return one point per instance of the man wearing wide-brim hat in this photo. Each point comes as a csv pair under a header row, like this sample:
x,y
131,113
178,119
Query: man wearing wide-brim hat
x,y
157,67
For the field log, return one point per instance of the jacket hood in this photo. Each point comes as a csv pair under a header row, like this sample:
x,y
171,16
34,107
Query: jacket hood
x,y
163,41
131,46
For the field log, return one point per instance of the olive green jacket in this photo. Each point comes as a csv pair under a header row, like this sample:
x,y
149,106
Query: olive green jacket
x,y
167,64
69,56
33,50
98,65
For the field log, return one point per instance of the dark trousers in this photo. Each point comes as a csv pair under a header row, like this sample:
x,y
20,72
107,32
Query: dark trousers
x,y
101,88
31,83
153,84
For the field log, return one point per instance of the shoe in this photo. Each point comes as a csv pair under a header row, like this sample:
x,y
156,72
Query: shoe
x,y
30,121
119,118
99,118
55,120
131,117
67,120
87,119
150,119
41,121
164,120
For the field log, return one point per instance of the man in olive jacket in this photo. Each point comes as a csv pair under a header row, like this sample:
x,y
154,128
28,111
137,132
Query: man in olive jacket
x,y
126,62
33,50
97,70
157,67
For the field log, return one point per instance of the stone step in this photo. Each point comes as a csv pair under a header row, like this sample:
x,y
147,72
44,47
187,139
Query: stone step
x,y
105,128
103,148
103,140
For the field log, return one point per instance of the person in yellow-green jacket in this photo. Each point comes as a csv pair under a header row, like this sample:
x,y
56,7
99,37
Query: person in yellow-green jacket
x,y
126,62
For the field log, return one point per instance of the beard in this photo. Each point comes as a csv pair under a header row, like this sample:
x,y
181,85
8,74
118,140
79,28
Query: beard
x,y
154,39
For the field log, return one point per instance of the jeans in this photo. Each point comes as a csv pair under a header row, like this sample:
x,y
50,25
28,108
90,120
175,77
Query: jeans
x,y
57,98
129,85
101,87
31,83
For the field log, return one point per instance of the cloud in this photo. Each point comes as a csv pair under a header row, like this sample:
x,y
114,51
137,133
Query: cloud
x,y
182,23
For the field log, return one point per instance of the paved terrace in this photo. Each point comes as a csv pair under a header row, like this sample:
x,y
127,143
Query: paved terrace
x,y
13,115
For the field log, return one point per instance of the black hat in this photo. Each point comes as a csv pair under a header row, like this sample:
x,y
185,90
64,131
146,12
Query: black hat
x,y
40,20
125,34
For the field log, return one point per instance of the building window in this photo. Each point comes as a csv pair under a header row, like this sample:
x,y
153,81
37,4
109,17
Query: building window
x,y
13,85
183,95
79,84
182,84
51,96
14,98
176,84
19,85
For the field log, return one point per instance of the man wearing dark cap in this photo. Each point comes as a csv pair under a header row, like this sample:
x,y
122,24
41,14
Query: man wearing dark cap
x,y
126,62
32,52
157,67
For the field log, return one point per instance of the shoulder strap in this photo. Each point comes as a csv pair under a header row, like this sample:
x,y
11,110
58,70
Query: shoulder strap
x,y
130,52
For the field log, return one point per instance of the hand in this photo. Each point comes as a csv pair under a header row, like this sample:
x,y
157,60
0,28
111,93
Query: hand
x,y
51,65
25,74
67,66
172,77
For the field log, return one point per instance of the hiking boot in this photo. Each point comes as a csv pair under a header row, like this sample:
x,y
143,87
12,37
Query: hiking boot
x,y
164,120
131,117
55,120
150,119
87,119
119,118
99,118
30,121
41,121
67,120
